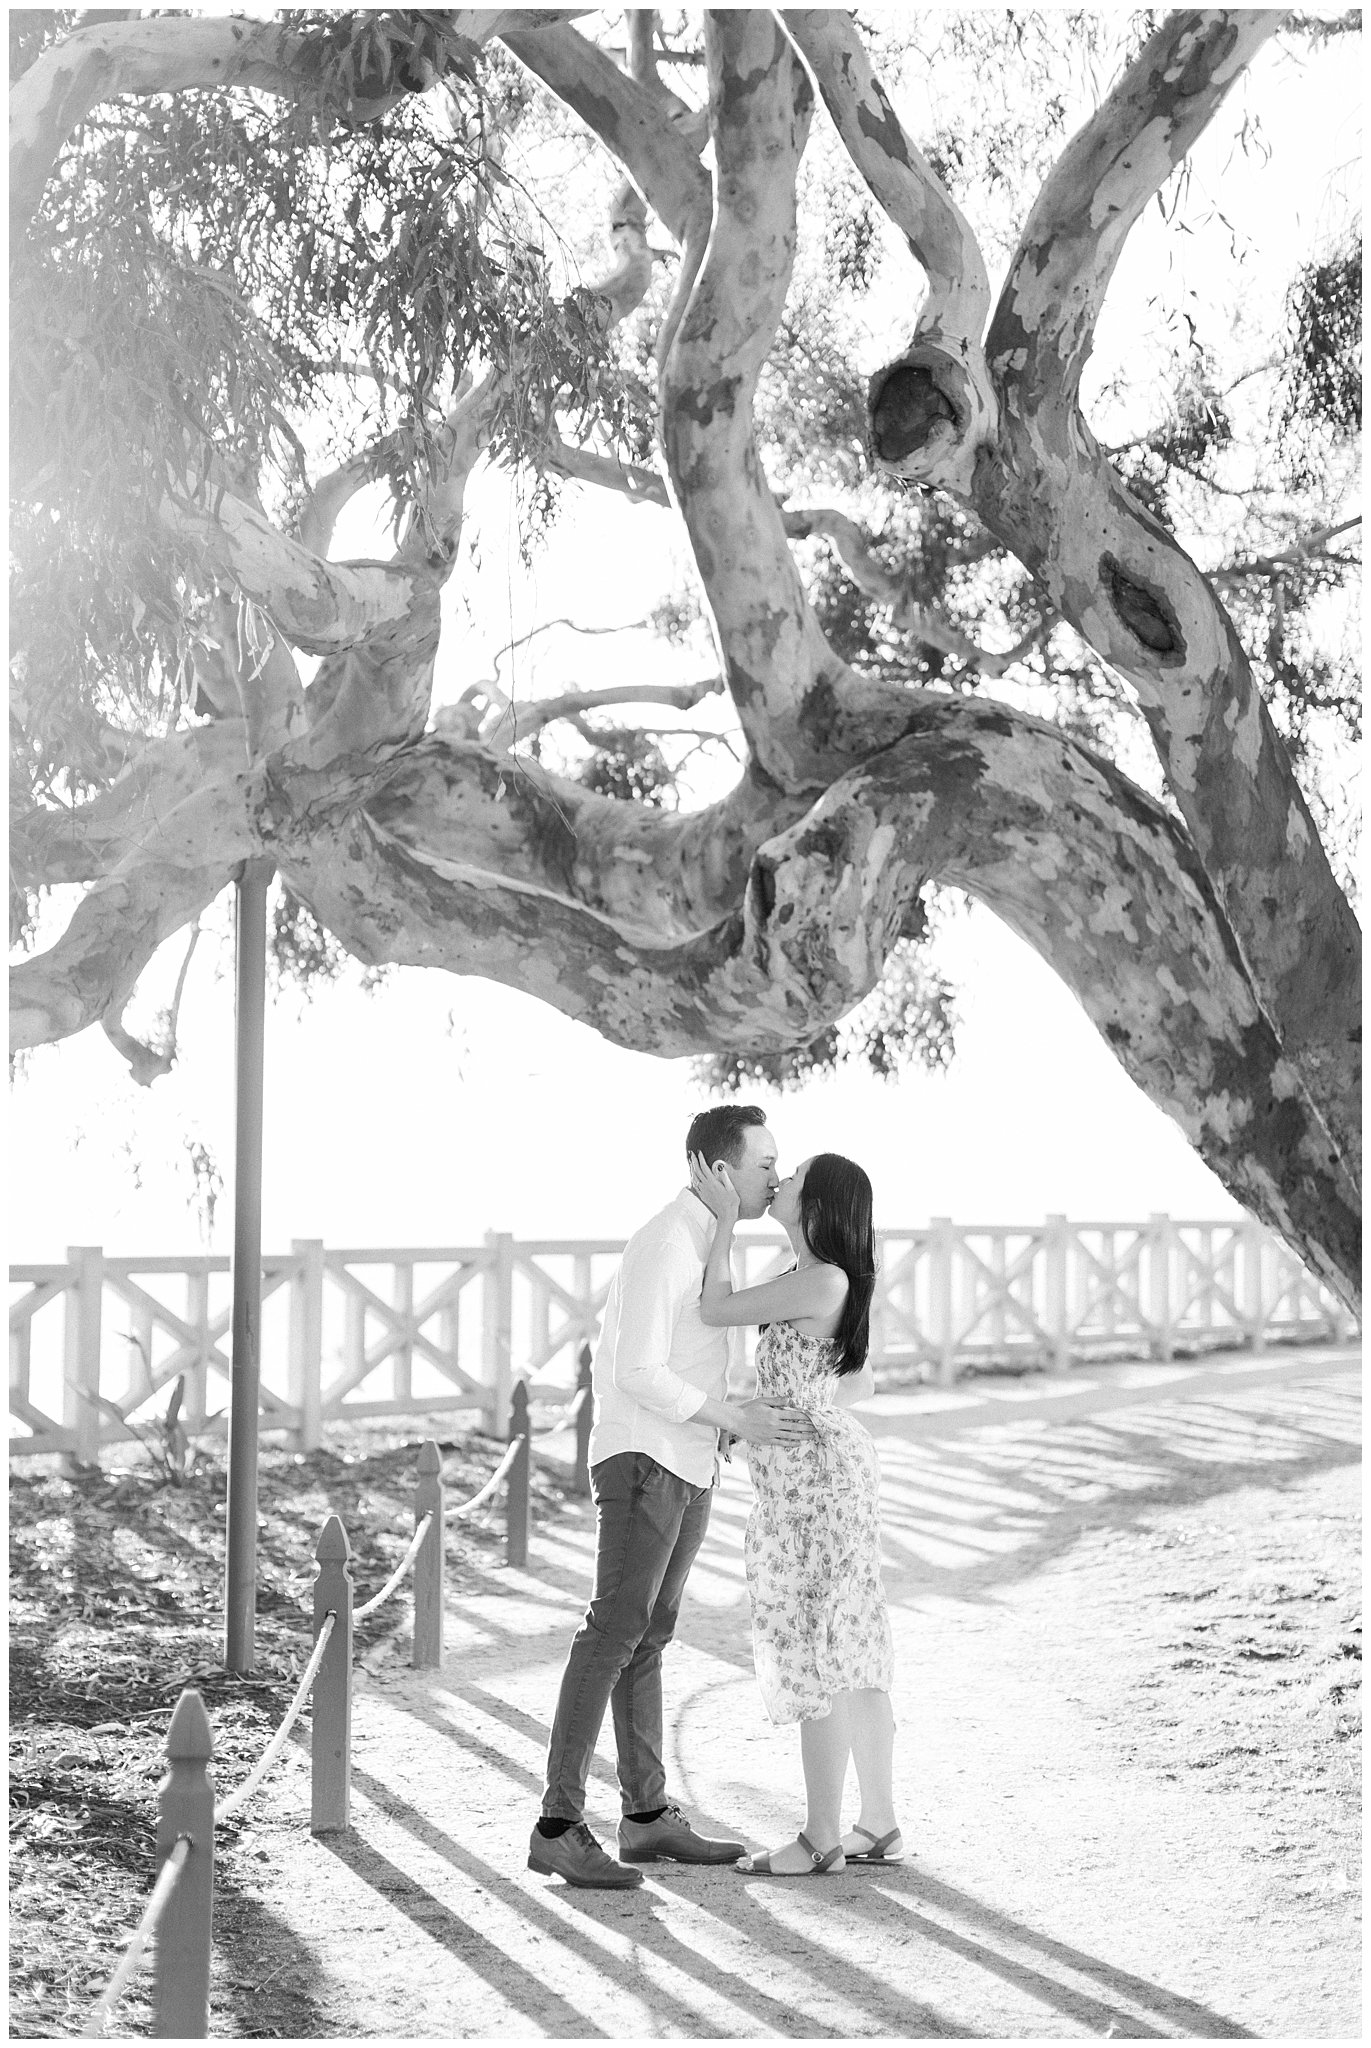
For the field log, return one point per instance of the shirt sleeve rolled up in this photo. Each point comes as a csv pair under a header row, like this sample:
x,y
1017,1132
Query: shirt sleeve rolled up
x,y
655,1283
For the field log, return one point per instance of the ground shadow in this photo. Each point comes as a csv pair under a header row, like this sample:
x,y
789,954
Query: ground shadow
x,y
998,1510
1170,2007
968,1514
868,1995
521,1986
267,1984
897,1909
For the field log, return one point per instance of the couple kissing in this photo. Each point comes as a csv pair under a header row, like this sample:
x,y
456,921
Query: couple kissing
x,y
669,1399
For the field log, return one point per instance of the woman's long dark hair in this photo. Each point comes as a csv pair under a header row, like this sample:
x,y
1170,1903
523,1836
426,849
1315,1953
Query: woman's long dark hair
x,y
835,1216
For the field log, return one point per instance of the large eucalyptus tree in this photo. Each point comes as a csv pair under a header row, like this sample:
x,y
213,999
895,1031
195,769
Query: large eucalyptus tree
x,y
224,229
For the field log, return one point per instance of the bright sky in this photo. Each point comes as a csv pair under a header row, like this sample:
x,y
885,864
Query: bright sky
x,y
436,1109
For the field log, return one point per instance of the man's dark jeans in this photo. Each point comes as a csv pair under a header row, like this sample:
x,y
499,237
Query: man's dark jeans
x,y
649,1525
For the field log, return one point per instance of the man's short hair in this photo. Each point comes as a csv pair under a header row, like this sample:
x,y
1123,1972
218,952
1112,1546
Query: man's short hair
x,y
719,1133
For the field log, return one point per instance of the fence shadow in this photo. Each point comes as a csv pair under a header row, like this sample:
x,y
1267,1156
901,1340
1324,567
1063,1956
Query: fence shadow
x,y
1171,2009
523,1987
889,1917
257,1951
533,1899
967,1515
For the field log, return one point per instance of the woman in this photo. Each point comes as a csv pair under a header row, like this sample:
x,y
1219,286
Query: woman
x,y
820,1630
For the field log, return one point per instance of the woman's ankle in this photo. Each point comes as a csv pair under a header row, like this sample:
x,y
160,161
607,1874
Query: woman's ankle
x,y
875,1830
824,1836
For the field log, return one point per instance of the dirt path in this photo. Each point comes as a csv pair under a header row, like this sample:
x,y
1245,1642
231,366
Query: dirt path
x,y
1127,1658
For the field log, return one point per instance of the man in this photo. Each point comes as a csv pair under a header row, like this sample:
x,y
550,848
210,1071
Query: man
x,y
660,1386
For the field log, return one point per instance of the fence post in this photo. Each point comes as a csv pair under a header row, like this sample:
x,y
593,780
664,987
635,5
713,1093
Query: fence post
x,y
1159,1283
516,1496
1250,1295
940,1297
197,1375
307,1339
1056,1299
402,1358
185,1806
83,1310
427,1650
497,1305
331,1737
585,1418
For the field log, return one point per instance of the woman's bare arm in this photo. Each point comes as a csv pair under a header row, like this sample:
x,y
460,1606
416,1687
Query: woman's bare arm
x,y
819,1291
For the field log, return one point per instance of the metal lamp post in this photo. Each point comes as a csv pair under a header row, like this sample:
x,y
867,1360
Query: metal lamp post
x,y
240,1601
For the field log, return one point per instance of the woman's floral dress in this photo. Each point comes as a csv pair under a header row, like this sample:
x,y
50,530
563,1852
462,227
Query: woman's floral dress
x,y
813,1543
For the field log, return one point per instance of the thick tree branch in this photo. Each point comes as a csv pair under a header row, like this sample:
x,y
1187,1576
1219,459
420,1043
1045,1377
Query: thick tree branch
x,y
148,1063
435,525
651,872
626,286
322,508
255,678
899,176
655,136
774,656
641,23
1120,579
609,473
933,407
1044,325
1099,879
1047,493
627,117
92,839
752,926
1144,606
319,606
644,49
113,934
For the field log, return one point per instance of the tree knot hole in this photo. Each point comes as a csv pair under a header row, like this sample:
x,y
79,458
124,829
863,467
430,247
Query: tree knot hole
x,y
907,407
763,890
1145,612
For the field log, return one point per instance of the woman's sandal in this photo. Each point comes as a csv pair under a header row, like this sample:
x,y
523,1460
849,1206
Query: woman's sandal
x,y
819,1866
877,1852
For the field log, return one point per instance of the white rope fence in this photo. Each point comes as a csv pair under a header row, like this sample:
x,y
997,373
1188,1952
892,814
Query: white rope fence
x,y
178,1855
94,2028
465,1507
566,1419
416,1543
241,1795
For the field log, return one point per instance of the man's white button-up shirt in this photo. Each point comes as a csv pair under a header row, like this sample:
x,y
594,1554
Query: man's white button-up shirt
x,y
656,1363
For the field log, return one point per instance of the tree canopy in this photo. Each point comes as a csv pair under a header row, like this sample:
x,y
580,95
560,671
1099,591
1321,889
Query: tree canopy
x,y
986,622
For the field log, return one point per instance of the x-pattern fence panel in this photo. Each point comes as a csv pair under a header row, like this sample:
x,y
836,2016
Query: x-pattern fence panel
x,y
408,1321
346,1334
128,1330
558,1287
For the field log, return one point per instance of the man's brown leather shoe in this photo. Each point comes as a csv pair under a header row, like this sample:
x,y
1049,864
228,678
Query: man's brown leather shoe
x,y
578,1857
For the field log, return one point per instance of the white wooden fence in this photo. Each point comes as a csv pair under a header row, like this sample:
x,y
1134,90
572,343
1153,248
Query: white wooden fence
x,y
405,1331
